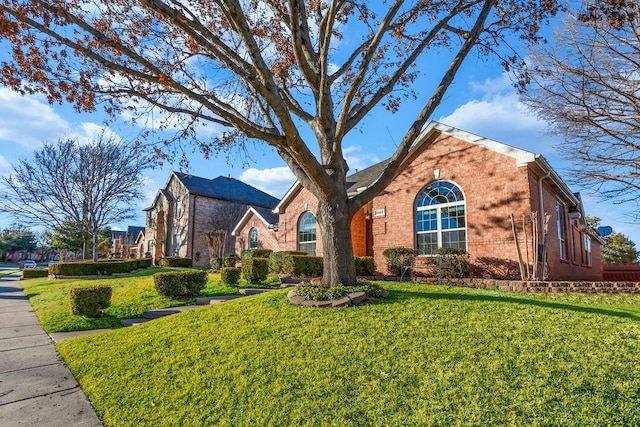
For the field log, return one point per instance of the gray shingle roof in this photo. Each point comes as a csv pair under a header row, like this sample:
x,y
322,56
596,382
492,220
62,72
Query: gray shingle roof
x,y
227,188
267,214
365,177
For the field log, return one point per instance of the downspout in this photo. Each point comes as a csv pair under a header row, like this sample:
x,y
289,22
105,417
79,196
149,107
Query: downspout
x,y
193,225
542,247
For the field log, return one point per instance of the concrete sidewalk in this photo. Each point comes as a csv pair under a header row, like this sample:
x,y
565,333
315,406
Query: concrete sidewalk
x,y
36,387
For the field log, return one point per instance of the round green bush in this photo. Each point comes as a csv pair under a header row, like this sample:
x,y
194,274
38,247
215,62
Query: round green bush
x,y
230,275
90,300
180,284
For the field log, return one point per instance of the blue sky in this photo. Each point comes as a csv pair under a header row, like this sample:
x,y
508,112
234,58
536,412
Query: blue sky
x,y
481,101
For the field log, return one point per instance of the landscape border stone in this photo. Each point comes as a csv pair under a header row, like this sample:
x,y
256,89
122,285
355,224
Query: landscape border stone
x,y
353,298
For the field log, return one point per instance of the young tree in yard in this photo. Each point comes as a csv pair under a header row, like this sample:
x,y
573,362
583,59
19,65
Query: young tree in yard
x,y
585,85
271,70
67,237
72,184
619,250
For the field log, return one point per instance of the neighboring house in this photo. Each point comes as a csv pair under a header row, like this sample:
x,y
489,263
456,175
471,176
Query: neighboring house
x,y
455,189
188,207
122,243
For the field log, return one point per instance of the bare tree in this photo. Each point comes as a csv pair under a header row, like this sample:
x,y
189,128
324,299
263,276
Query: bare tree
x,y
87,186
586,86
265,70
223,218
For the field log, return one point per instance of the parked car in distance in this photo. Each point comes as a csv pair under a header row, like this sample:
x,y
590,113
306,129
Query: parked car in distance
x,y
29,263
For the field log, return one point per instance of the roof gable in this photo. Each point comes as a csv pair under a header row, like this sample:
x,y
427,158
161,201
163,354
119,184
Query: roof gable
x,y
265,215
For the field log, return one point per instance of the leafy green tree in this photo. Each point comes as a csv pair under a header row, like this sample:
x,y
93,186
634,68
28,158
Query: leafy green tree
x,y
16,238
619,250
66,237
69,237
593,221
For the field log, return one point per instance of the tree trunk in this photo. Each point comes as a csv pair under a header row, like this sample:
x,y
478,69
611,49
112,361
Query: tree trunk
x,y
96,243
337,247
86,246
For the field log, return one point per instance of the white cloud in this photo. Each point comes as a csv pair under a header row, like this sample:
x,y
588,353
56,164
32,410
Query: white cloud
x,y
27,120
358,159
498,113
5,166
275,181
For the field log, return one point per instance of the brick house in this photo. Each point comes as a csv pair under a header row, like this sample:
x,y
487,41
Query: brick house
x,y
123,243
188,207
455,189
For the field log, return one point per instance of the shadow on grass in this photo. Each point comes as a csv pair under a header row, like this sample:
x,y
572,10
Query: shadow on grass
x,y
404,294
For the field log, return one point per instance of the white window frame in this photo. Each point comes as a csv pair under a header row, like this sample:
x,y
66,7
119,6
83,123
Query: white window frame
x,y
251,231
179,207
307,242
176,244
439,230
561,229
586,243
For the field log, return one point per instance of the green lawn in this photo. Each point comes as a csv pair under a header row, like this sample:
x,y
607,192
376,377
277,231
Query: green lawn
x,y
425,356
132,295
8,272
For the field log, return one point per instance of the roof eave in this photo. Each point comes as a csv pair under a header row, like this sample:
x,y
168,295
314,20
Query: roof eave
x,y
246,217
280,207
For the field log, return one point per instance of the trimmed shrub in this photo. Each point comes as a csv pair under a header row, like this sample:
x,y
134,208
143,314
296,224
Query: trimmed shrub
x,y
451,263
302,265
144,262
255,270
230,275
90,300
365,265
256,253
399,259
276,260
30,273
216,264
174,261
90,268
180,284
316,292
230,260
371,289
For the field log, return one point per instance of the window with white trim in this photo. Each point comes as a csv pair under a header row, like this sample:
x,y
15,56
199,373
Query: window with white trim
x,y
253,238
562,234
152,218
179,207
176,244
586,244
307,233
440,218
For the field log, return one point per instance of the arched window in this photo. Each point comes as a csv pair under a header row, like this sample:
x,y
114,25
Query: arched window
x,y
253,238
440,218
307,233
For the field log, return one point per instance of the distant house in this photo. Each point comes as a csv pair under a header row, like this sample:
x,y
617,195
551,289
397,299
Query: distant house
x,y
454,190
123,242
188,207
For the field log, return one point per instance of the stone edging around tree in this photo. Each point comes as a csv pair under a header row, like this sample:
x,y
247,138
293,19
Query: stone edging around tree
x,y
354,298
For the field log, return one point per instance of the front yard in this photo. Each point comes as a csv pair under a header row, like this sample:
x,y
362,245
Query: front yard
x,y
132,295
424,356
